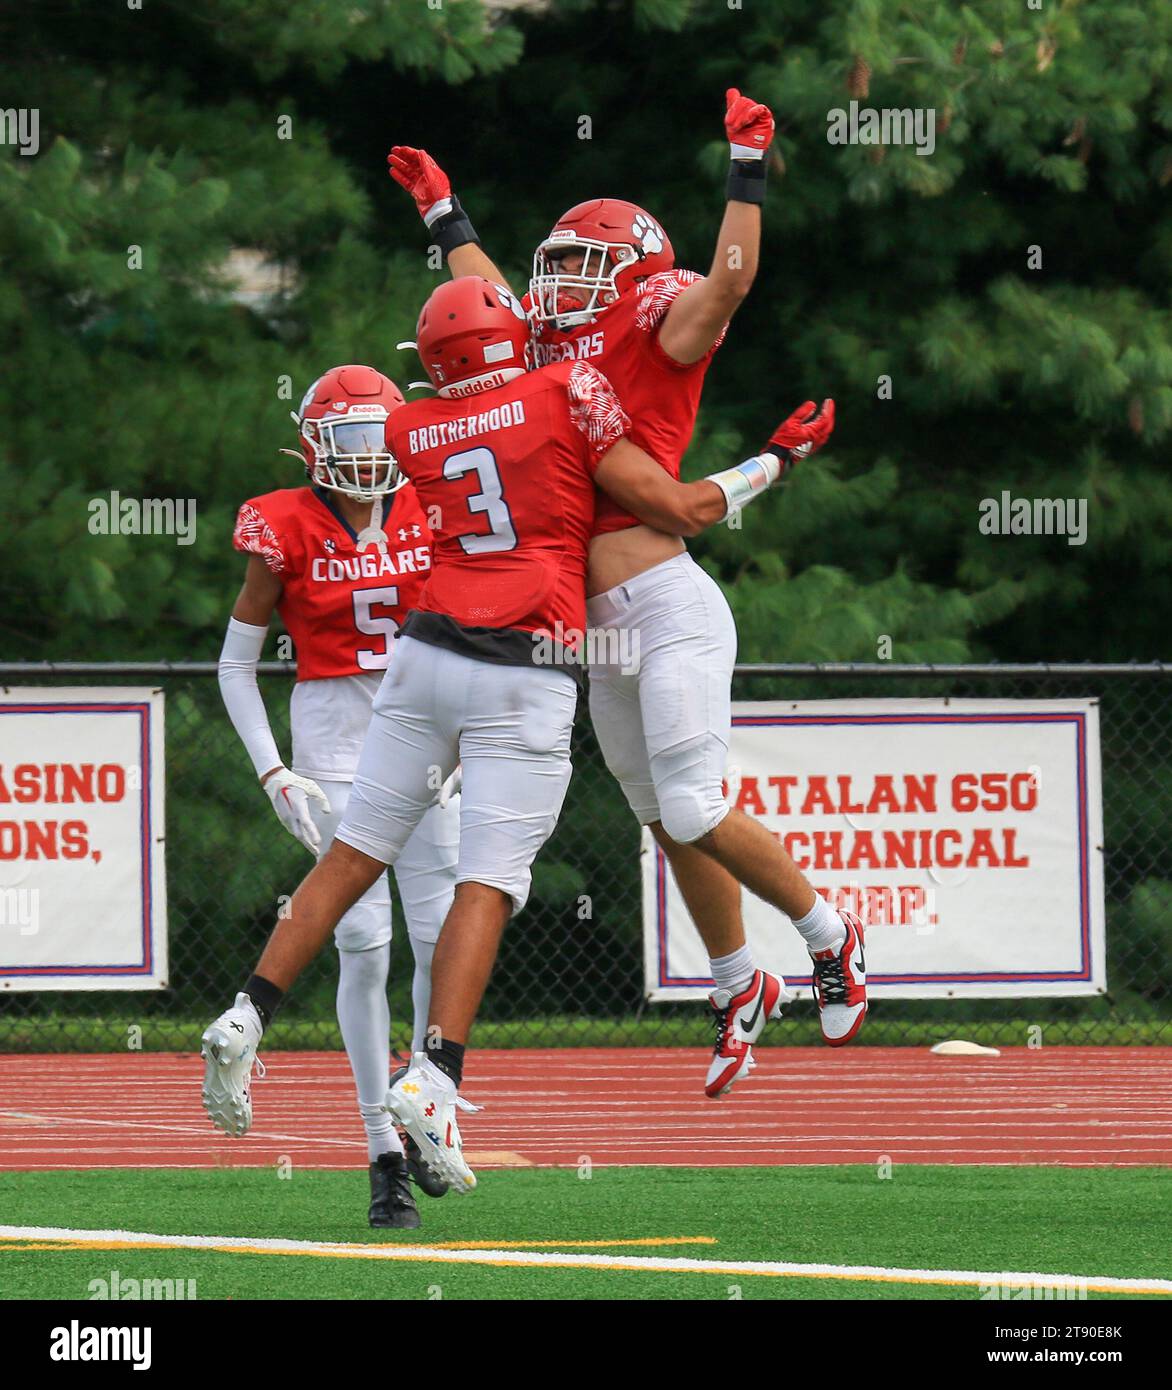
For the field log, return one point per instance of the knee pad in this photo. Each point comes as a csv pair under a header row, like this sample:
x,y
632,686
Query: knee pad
x,y
368,923
363,970
688,788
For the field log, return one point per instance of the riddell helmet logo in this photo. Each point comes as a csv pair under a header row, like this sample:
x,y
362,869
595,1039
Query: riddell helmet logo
x,y
474,388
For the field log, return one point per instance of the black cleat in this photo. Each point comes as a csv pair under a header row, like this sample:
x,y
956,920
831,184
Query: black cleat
x,y
391,1202
425,1178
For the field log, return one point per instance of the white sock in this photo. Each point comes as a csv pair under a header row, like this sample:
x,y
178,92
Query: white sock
x,y
733,972
821,928
364,1017
421,990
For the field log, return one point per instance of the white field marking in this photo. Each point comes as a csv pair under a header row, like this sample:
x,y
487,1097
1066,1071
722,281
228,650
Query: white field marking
x,y
628,1155
525,1123
668,1136
670,1058
639,1263
207,1131
209,1165
634,1142
528,1125
772,1083
785,1071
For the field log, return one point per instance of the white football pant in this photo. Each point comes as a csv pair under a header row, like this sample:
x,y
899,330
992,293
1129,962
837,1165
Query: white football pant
x,y
508,726
425,873
660,693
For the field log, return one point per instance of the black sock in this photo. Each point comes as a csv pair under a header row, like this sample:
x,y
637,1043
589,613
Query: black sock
x,y
265,996
449,1057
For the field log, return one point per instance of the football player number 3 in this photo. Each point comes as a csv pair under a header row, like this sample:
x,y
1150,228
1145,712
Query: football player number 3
x,y
488,500
384,626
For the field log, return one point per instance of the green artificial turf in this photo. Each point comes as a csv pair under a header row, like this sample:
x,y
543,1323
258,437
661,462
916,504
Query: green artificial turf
x,y
1081,1221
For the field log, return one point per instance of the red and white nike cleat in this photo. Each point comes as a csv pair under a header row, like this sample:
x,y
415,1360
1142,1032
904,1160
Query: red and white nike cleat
x,y
840,985
740,1020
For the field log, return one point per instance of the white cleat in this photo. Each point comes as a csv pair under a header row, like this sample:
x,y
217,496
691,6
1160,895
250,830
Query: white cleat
x,y
424,1102
228,1048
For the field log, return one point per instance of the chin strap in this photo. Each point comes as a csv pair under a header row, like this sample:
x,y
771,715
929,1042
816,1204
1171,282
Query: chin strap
x,y
372,533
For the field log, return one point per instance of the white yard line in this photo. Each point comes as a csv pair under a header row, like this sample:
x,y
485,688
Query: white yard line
x,y
245,1245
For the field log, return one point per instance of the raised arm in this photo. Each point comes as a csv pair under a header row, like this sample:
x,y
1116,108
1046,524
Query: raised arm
x,y
698,316
448,223
638,483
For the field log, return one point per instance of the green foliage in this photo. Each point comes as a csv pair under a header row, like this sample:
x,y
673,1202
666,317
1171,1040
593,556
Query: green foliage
x,y
1011,287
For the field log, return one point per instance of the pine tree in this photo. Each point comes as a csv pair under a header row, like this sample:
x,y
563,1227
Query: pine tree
x,y
172,142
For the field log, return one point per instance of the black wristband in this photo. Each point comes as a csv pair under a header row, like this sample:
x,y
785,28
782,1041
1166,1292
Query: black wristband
x,y
453,229
746,181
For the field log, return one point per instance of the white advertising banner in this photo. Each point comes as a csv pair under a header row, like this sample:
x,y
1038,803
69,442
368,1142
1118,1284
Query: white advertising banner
x,y
83,901
967,835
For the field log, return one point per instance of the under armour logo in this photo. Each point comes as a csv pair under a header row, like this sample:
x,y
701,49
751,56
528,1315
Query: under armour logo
x,y
238,1026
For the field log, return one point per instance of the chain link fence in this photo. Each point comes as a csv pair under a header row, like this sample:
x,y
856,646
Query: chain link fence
x,y
565,981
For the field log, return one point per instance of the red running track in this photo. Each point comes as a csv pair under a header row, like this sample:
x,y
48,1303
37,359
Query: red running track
x,y
1056,1105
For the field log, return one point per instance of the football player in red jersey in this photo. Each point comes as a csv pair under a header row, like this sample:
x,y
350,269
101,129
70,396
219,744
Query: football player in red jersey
x,y
341,595
605,290
507,462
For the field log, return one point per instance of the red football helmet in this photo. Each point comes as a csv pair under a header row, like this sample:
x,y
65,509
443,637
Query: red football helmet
x,y
342,423
472,336
621,245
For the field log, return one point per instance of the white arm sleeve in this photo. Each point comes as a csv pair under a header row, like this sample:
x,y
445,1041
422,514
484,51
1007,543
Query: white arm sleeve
x,y
243,644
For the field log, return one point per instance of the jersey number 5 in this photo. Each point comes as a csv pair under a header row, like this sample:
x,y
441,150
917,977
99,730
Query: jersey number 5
x,y
373,658
489,499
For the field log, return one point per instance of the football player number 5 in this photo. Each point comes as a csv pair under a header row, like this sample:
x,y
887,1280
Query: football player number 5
x,y
489,500
375,658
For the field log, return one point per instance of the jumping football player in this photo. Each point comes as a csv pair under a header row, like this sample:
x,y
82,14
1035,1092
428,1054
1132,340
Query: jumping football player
x,y
484,675
341,601
604,289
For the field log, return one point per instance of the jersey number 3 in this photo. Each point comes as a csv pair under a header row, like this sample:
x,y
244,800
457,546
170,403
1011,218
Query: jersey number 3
x,y
374,658
489,499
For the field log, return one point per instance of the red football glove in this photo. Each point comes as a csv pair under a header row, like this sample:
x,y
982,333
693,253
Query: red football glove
x,y
804,433
421,176
749,126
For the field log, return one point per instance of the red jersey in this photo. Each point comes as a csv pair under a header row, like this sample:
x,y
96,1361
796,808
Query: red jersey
x,y
508,477
340,607
661,395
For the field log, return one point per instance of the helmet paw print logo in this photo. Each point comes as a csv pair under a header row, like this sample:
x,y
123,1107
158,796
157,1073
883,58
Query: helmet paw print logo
x,y
647,234
510,301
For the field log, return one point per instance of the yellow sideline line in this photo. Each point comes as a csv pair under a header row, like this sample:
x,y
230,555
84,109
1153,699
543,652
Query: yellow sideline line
x,y
59,1238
